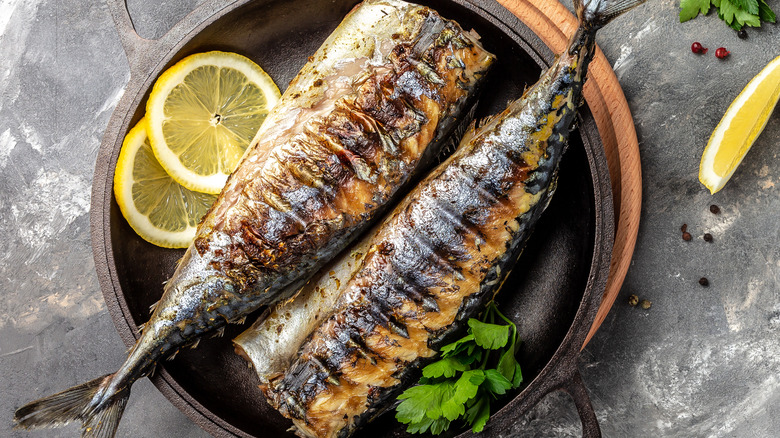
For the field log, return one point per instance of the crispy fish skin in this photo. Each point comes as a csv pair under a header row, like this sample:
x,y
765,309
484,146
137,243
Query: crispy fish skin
x,y
368,110
441,254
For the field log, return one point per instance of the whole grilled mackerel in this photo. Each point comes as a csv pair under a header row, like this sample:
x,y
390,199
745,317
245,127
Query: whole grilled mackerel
x,y
440,254
370,108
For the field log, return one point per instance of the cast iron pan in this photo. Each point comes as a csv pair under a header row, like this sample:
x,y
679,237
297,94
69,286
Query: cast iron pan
x,y
553,293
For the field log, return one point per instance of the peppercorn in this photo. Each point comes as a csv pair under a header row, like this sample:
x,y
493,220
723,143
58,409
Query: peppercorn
x,y
704,282
633,300
687,236
684,228
698,48
646,304
707,237
714,209
742,34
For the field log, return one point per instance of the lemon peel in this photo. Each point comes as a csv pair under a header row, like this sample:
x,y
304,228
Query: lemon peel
x,y
736,132
203,112
159,209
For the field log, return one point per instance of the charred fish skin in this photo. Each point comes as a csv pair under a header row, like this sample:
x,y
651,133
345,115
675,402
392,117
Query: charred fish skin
x,y
450,243
368,110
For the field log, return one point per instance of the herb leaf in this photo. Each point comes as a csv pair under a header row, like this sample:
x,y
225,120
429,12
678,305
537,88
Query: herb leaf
x,y
691,8
490,336
478,414
736,13
472,372
457,346
415,404
750,6
496,383
766,13
446,367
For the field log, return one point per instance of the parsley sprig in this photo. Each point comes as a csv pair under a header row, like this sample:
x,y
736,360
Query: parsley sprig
x,y
736,13
471,373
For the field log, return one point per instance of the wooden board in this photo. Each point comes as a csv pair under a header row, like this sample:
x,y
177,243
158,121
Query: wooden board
x,y
553,23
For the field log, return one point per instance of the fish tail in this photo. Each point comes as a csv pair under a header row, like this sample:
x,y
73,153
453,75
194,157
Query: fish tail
x,y
594,14
93,403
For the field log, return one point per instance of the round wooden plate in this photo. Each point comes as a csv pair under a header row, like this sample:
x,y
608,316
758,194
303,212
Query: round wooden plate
x,y
553,23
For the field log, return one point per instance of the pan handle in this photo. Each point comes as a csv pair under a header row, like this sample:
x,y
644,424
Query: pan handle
x,y
142,52
134,45
576,389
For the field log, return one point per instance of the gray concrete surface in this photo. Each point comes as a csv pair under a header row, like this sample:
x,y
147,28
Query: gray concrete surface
x,y
701,362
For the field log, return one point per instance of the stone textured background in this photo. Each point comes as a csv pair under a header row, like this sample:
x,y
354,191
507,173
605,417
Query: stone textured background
x,y
702,362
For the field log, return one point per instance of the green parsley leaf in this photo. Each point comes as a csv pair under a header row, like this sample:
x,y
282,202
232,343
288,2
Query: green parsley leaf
x,y
496,383
736,13
478,414
749,6
442,393
446,367
457,346
510,369
416,402
439,425
691,8
490,336
419,426
471,372
766,13
746,18
467,385
727,10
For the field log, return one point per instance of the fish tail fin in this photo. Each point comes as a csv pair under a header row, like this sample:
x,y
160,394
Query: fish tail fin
x,y
594,14
90,403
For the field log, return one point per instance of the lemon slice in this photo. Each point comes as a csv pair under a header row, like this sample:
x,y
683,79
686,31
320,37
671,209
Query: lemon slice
x,y
740,126
160,210
203,112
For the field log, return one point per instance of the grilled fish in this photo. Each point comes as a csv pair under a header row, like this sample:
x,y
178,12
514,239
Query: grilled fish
x,y
441,253
370,108
273,341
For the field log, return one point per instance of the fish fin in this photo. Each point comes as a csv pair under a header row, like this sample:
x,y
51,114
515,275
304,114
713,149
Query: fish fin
x,y
219,333
99,415
172,356
454,140
195,343
103,423
594,14
153,307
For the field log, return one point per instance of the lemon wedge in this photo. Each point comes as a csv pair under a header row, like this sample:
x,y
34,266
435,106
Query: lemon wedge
x,y
740,126
203,112
160,210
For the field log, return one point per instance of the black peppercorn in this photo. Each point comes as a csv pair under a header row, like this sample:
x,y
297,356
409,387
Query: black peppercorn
x,y
704,282
714,209
707,237
742,34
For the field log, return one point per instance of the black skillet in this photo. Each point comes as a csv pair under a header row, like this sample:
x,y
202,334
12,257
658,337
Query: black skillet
x,y
553,293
